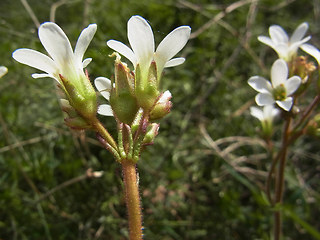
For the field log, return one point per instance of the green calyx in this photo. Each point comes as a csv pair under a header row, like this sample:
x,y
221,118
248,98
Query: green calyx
x,y
280,93
81,96
122,98
147,87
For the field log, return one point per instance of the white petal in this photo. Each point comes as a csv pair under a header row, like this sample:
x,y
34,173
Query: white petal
x,y
267,41
105,110
45,75
292,84
141,40
165,97
311,50
123,50
174,62
269,112
104,86
56,43
283,51
263,99
260,84
286,104
171,45
257,113
83,42
41,75
86,62
35,59
294,46
279,72
278,35
3,71
299,32
274,112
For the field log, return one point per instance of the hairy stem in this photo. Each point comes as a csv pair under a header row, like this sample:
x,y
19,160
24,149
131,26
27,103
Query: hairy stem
x,y
280,180
132,199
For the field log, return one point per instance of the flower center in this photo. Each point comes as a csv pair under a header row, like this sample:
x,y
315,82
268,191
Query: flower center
x,y
279,93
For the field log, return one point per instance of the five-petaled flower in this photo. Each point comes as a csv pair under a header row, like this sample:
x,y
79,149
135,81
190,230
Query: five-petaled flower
x,y
148,62
141,40
285,47
280,88
267,114
64,65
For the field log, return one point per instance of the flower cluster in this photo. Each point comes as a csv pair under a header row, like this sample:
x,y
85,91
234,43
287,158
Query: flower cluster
x,y
289,74
135,99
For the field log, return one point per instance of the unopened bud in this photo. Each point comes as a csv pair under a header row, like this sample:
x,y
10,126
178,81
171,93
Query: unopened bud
x,y
162,107
313,127
152,132
77,123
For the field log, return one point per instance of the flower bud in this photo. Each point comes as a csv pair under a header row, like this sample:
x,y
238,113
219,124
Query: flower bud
x,y
77,123
74,120
162,107
313,127
152,132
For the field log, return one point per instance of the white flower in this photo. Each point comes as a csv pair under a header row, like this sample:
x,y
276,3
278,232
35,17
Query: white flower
x,y
104,87
3,71
312,50
62,61
143,52
280,42
267,114
279,89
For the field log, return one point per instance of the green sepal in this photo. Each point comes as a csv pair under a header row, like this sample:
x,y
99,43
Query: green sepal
x,y
136,122
121,149
124,107
152,132
146,90
122,99
77,123
84,102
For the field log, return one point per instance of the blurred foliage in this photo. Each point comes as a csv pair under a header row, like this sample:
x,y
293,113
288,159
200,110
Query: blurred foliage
x,y
188,191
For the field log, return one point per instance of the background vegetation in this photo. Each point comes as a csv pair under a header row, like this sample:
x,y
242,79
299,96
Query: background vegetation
x,y
204,176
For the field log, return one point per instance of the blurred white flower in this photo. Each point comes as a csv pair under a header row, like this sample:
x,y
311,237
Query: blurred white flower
x,y
141,40
3,71
62,61
267,114
285,47
280,88
104,87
